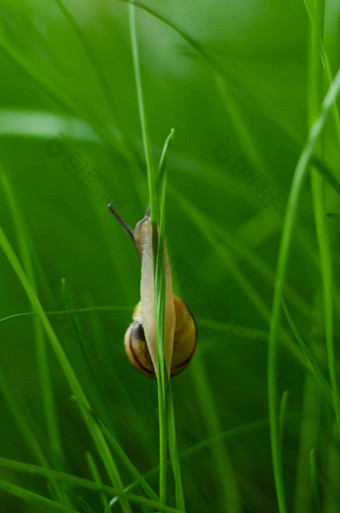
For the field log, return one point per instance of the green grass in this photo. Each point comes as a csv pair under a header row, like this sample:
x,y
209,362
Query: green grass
x,y
158,263
224,119
297,184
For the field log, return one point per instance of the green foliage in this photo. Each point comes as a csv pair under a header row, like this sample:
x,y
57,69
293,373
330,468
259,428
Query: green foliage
x,y
246,196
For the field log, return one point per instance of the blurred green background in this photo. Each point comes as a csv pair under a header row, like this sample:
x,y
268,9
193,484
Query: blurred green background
x,y
236,89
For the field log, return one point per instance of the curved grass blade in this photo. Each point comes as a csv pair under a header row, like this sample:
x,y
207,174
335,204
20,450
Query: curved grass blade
x,y
225,327
83,365
309,432
212,62
84,507
315,368
97,478
230,500
84,483
102,81
128,464
172,439
47,396
286,239
320,46
318,185
68,312
70,375
223,435
323,169
174,455
163,162
252,293
34,498
29,434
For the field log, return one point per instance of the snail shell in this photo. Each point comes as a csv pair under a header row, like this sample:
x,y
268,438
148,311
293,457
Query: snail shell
x,y
185,341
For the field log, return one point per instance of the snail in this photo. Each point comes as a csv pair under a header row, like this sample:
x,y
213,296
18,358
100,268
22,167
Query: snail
x,y
180,329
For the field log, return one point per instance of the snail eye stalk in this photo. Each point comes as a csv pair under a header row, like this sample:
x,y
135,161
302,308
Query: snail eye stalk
x,y
126,227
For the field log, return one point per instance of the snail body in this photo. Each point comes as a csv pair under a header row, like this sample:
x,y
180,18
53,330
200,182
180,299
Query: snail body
x,y
180,330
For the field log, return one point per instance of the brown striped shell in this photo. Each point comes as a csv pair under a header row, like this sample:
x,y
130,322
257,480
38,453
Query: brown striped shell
x,y
185,341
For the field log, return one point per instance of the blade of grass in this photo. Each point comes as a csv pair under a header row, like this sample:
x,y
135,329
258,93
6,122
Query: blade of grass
x,y
308,438
318,189
286,239
185,36
28,433
229,79
24,25
223,79
162,376
229,496
42,361
29,468
71,377
101,77
244,135
68,312
66,102
314,481
223,435
157,204
47,397
207,443
203,224
326,173
49,88
252,293
33,498
128,464
151,504
159,273
313,363
122,391
160,300
102,81
163,163
84,483
240,249
232,432
330,464
174,454
194,449
78,354
143,119
84,507
225,327
172,438
282,414
318,41
97,478
282,417
316,77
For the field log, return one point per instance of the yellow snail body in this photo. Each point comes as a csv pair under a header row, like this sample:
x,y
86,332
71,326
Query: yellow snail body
x,y
180,330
